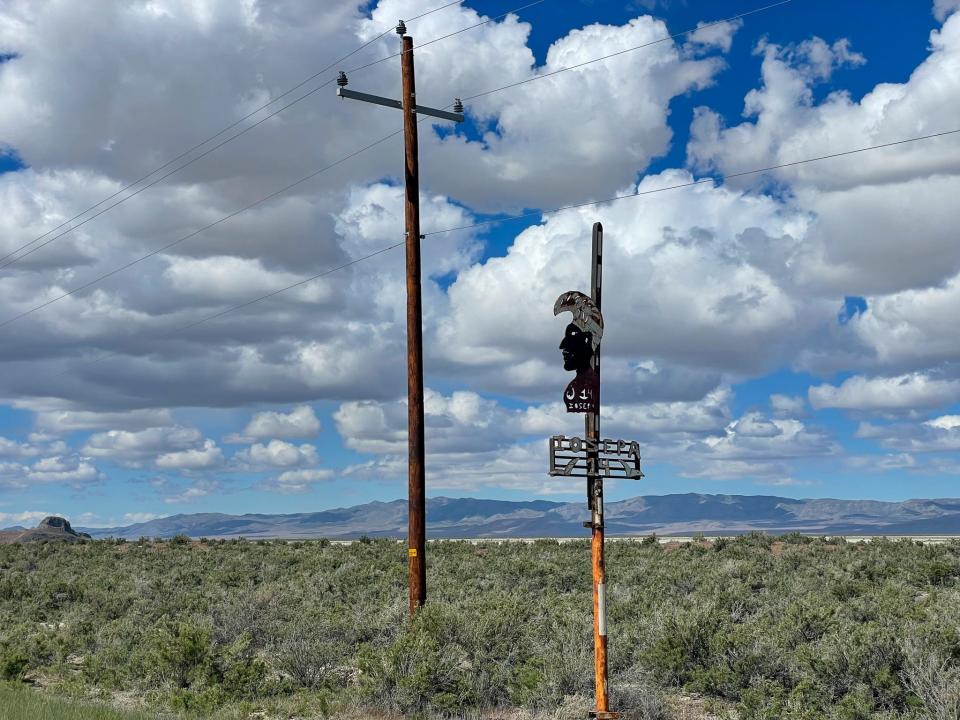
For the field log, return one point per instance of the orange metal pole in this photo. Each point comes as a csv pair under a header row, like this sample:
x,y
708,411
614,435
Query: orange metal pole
x,y
599,622
595,490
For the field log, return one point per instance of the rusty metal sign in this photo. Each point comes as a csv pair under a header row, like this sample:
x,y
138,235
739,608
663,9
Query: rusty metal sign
x,y
578,457
580,345
591,458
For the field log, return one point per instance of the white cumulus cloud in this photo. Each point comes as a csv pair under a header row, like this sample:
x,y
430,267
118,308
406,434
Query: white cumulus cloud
x,y
903,392
209,456
301,422
296,481
138,446
277,454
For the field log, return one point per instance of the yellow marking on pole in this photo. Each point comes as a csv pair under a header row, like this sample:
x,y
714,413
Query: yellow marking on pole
x,y
412,552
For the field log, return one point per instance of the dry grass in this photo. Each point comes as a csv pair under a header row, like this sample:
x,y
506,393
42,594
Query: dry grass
x,y
18,702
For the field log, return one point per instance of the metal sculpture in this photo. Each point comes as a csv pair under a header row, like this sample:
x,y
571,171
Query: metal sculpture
x,y
591,457
580,344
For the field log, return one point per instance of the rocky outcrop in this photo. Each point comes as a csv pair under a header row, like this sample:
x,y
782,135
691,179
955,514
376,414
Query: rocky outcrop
x,y
51,527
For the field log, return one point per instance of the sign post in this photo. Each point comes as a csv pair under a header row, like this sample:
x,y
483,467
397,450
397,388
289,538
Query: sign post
x,y
591,457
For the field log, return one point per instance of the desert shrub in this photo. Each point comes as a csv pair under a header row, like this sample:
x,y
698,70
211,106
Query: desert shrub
x,y
756,539
806,619
638,698
763,700
315,653
867,654
249,614
804,628
416,672
567,650
181,654
933,680
684,642
13,664
243,676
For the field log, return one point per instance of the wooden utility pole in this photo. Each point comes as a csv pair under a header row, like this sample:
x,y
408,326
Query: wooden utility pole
x,y
416,481
417,532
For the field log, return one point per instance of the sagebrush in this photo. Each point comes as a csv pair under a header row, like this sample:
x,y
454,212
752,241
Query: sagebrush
x,y
788,629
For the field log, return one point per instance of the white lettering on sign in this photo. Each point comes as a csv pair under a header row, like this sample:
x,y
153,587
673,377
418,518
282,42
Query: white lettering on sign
x,y
583,457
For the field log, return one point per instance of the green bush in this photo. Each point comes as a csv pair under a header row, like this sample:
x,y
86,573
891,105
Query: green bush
x,y
181,655
13,665
772,628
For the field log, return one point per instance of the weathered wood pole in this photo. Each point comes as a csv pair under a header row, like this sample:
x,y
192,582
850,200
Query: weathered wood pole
x,y
416,539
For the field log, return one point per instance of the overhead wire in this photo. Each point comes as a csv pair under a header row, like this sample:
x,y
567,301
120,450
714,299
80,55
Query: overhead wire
x,y
184,238
253,301
354,261
541,213
162,177
627,50
428,12
199,145
445,37
272,195
11,319
701,181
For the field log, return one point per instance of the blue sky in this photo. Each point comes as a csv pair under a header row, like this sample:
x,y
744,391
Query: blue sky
x,y
766,336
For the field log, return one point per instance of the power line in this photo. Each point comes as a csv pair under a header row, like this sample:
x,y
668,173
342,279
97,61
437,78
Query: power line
x,y
318,172
479,24
162,177
586,204
326,84
240,306
424,14
745,173
202,143
450,35
184,238
731,176
631,49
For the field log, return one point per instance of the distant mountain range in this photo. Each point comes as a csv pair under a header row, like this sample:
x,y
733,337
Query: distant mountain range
x,y
661,514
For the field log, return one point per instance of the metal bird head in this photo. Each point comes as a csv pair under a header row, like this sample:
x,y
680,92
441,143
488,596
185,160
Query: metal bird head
x,y
586,315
